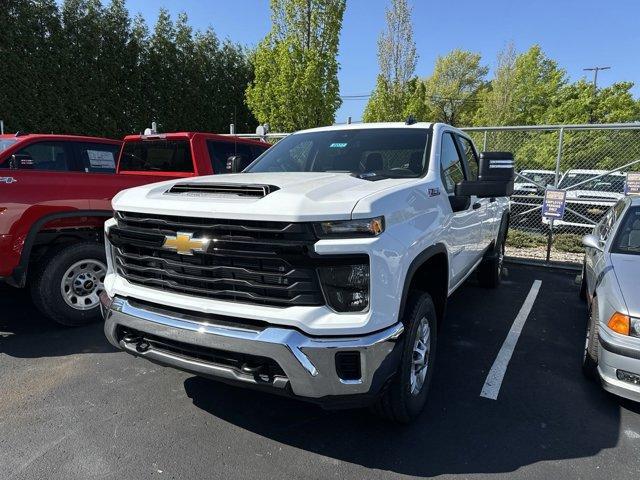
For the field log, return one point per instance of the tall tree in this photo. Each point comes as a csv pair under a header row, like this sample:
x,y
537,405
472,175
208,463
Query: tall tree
x,y
397,59
451,90
296,66
496,99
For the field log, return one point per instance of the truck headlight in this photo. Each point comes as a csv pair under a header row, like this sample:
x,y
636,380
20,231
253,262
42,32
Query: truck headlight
x,y
365,227
346,287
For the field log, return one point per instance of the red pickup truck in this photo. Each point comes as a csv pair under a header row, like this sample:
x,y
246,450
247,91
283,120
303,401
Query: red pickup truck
x,y
55,194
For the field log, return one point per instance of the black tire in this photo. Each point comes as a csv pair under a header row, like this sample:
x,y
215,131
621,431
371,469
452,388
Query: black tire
x,y
397,402
47,284
491,268
590,356
583,284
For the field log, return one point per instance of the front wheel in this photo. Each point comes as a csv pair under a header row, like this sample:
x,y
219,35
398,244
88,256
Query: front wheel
x,y
67,285
406,395
590,355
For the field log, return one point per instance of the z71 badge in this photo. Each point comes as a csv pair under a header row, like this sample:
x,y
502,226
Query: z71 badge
x,y
7,180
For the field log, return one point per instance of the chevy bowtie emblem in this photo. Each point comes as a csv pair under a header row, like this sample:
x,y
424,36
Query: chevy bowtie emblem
x,y
185,244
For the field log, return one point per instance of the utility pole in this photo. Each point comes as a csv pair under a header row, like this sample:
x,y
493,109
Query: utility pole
x,y
595,71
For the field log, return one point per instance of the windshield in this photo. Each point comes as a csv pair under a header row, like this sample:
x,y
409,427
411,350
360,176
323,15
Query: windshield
x,y
606,183
157,156
540,178
4,144
628,237
385,152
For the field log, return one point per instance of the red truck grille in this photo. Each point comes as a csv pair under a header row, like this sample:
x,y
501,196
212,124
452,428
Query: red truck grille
x,y
265,263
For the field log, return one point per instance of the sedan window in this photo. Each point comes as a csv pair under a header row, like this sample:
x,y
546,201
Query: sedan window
x,y
628,237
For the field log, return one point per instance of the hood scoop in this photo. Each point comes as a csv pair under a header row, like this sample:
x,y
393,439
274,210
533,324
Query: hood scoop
x,y
221,190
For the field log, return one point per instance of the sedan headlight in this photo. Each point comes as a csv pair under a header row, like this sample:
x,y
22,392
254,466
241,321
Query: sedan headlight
x,y
634,328
365,227
624,324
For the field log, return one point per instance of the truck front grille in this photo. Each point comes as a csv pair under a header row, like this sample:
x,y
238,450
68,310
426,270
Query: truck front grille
x,y
264,263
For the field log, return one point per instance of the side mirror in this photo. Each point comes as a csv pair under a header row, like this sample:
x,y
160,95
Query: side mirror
x,y
495,178
21,162
237,163
592,241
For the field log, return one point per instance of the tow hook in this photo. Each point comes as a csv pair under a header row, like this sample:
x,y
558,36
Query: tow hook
x,y
251,369
257,371
141,344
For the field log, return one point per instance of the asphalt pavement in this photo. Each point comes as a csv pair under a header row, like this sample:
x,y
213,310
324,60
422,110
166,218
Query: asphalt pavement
x,y
72,407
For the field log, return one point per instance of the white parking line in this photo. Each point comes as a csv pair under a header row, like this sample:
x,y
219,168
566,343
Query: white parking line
x,y
492,384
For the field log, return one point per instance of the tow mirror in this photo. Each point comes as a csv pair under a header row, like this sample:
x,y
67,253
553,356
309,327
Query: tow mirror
x,y
237,163
592,241
21,162
495,178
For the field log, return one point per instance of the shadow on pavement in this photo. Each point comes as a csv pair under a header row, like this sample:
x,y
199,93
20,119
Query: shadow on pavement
x,y
26,333
546,411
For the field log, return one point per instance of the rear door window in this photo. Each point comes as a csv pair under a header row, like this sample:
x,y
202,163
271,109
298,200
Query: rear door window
x,y
156,156
219,153
53,156
97,157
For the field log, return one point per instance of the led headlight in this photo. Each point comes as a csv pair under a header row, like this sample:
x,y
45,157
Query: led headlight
x,y
346,287
365,227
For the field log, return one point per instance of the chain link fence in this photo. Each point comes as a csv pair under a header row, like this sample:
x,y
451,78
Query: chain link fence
x,y
589,162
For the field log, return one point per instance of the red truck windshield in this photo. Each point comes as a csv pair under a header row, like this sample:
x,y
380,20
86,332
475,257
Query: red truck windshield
x,y
157,155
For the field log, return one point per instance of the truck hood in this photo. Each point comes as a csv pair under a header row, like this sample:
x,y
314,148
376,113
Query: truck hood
x,y
297,196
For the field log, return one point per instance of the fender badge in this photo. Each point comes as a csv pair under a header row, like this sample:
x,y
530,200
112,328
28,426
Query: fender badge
x,y
434,192
7,180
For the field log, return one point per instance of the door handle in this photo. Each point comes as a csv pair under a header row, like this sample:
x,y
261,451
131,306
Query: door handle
x,y
476,205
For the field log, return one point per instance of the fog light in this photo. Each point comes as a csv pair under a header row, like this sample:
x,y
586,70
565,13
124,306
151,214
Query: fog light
x,y
628,377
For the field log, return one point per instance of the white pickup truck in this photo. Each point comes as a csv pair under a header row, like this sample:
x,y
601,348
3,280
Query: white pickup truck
x,y
322,271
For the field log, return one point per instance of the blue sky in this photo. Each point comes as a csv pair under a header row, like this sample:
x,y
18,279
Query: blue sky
x,y
576,33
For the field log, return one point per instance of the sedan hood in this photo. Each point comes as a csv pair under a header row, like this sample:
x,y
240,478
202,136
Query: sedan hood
x,y
300,196
626,268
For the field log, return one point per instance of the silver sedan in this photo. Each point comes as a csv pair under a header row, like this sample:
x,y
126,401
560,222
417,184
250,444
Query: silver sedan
x,y
611,286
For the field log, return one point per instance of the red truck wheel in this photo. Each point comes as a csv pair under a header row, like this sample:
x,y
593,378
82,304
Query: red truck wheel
x,y
67,283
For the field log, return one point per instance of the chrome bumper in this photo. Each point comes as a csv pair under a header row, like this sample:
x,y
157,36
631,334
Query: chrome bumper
x,y
308,362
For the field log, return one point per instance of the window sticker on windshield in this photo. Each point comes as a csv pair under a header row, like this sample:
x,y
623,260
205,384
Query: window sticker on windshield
x,y
101,159
337,145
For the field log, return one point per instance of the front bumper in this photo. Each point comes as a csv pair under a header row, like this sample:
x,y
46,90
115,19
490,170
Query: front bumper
x,y
618,354
308,363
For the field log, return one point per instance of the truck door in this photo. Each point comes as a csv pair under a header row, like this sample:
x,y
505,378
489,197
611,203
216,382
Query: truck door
x,y
464,227
485,208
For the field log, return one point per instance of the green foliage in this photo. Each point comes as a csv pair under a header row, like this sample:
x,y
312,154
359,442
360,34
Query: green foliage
x,y
86,68
296,67
568,242
395,94
521,239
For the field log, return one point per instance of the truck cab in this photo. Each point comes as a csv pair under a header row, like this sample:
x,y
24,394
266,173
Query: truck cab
x,y
55,194
322,271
